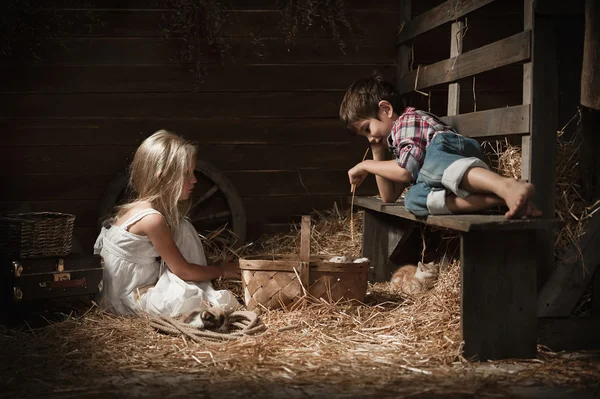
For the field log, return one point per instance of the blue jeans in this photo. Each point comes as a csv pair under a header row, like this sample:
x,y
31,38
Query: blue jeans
x,y
447,159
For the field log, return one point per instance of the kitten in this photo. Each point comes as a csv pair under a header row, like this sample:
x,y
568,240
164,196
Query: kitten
x,y
211,319
412,279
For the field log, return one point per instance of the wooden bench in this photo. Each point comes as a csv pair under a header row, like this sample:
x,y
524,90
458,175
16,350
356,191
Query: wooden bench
x,y
502,262
498,272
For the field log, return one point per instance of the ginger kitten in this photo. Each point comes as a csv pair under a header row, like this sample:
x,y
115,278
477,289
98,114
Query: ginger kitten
x,y
411,279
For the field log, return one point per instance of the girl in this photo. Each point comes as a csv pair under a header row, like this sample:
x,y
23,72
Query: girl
x,y
154,225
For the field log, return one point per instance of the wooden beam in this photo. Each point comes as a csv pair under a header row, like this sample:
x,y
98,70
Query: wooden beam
x,y
464,223
446,12
526,140
381,235
507,51
569,333
558,7
498,291
570,279
493,122
404,51
544,124
456,44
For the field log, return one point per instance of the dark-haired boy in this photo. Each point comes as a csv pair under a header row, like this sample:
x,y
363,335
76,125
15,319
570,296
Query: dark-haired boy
x,y
447,170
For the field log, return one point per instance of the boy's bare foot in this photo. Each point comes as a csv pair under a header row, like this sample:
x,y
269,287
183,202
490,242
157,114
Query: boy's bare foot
x,y
532,211
517,195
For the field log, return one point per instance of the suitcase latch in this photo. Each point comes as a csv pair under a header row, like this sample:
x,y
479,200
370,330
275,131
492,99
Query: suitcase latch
x,y
60,268
17,268
62,276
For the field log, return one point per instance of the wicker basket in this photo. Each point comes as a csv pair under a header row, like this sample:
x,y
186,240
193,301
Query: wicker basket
x,y
36,234
273,282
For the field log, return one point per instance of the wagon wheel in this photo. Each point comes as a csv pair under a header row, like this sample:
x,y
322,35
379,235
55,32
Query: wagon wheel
x,y
216,204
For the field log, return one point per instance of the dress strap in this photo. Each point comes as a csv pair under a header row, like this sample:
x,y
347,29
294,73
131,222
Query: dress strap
x,y
136,217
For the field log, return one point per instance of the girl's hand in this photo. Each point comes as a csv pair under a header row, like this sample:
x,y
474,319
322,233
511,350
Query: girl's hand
x,y
231,270
357,175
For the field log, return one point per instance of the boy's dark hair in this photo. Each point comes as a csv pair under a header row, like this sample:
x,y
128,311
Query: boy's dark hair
x,y
361,100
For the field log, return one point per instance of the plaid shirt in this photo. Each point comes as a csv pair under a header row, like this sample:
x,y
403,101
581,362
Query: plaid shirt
x,y
410,136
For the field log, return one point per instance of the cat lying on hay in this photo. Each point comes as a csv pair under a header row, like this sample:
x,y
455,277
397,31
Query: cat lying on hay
x,y
411,279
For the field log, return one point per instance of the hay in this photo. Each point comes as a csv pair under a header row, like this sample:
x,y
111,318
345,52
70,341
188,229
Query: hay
x,y
391,343
571,208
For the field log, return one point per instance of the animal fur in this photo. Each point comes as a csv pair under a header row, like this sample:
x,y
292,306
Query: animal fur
x,y
411,279
215,319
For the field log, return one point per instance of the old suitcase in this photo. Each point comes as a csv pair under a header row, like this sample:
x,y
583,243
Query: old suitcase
x,y
45,278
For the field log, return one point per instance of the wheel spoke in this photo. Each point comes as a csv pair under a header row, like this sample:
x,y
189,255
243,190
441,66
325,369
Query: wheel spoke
x,y
212,216
211,191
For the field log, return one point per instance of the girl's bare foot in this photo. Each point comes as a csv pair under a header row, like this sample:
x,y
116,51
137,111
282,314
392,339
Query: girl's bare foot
x,y
517,195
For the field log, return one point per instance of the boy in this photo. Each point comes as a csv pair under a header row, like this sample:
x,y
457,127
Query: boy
x,y
448,170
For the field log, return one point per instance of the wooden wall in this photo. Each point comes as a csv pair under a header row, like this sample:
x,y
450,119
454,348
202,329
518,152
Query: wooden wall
x,y
72,114
72,117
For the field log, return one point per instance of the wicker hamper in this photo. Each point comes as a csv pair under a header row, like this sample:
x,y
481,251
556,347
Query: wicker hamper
x,y
274,281
36,234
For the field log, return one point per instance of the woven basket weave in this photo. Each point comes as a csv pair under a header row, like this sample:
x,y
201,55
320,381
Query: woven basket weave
x,y
36,234
272,282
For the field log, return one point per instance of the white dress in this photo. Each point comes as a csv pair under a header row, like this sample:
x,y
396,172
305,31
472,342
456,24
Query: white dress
x,y
136,280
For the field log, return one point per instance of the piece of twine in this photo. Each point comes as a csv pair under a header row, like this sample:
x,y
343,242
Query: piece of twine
x,y
244,322
353,189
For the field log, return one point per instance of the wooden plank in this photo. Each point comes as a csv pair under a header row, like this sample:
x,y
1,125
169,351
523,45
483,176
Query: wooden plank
x,y
131,131
567,334
373,23
144,51
403,58
305,233
437,103
527,90
572,276
258,209
464,223
456,40
498,318
171,105
503,52
557,7
544,124
482,30
596,294
173,78
231,4
495,122
73,186
113,159
85,211
381,235
446,12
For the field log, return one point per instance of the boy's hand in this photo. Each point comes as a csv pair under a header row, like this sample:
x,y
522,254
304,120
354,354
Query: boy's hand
x,y
357,175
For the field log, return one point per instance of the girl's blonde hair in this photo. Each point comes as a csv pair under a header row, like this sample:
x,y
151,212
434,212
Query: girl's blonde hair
x,y
157,174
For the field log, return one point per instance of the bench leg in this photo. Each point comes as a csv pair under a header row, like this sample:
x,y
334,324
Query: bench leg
x,y
382,234
499,295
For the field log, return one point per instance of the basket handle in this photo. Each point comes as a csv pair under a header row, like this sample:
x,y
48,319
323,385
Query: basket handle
x,y
304,250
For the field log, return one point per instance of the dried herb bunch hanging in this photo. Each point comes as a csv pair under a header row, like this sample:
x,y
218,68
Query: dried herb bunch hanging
x,y
195,21
301,14
29,23
202,25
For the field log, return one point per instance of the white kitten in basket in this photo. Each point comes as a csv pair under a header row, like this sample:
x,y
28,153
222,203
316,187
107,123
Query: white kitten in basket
x,y
346,259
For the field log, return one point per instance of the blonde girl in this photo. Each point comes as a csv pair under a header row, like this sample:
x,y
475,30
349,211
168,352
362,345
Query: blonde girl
x,y
153,258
